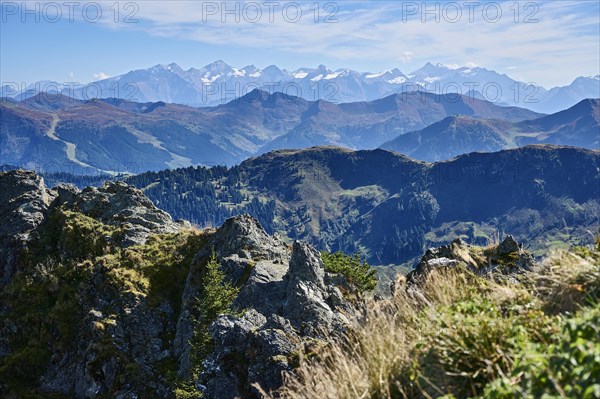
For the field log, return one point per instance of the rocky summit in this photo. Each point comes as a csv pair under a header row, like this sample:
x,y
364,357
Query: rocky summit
x,y
105,296
24,203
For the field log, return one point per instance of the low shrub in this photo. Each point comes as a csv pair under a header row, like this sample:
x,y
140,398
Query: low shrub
x,y
357,271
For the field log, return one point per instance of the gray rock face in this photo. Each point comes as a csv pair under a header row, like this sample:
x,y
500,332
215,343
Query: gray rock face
x,y
305,266
118,203
287,304
250,258
124,325
83,369
24,204
307,303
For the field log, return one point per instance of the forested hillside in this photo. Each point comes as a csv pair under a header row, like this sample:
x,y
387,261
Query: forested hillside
x,y
389,207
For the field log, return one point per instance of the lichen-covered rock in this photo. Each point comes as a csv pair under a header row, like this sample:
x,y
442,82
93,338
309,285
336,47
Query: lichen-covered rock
x,y
250,259
105,321
24,204
287,303
117,203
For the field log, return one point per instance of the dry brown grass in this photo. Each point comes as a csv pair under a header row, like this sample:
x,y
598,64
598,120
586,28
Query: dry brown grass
x,y
368,363
565,280
456,333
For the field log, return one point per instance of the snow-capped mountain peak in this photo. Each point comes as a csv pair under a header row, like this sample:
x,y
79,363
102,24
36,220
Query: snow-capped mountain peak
x,y
170,83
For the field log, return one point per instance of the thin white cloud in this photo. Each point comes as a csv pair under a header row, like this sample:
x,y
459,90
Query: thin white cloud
x,y
406,56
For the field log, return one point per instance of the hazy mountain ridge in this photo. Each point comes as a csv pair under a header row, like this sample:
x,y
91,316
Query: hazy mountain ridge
x,y
122,136
577,126
218,83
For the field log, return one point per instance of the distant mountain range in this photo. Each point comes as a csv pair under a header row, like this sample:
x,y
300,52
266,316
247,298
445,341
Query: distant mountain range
x,y
55,132
577,126
219,83
390,207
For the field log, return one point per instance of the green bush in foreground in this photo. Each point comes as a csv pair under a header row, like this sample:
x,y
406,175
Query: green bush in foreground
x,y
570,367
357,271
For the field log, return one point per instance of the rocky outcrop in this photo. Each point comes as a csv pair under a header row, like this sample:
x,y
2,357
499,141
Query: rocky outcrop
x,y
25,201
508,246
506,258
103,320
119,322
286,305
24,204
117,203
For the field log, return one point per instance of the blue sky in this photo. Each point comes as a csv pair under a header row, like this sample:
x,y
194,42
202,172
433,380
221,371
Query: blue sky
x,y
549,43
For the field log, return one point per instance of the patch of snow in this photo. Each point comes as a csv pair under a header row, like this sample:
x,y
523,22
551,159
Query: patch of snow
x,y
375,75
238,72
451,66
397,80
209,79
300,75
469,71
